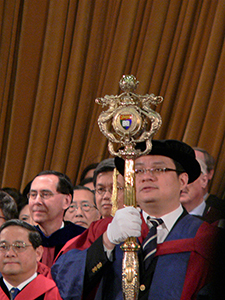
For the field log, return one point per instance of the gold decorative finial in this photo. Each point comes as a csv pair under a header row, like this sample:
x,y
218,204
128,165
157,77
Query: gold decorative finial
x,y
128,83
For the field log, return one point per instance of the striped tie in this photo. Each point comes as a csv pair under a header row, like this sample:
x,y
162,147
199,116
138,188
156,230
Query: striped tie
x,y
150,243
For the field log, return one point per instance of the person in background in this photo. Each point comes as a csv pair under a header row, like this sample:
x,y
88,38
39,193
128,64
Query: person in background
x,y
20,253
86,178
8,207
88,172
176,257
22,203
103,183
211,200
83,210
15,194
88,182
209,161
26,189
192,197
51,193
24,212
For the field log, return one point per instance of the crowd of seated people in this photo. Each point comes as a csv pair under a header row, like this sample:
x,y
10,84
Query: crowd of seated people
x,y
89,265
63,217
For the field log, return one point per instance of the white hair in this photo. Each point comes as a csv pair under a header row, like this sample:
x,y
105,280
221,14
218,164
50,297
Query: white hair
x,y
202,165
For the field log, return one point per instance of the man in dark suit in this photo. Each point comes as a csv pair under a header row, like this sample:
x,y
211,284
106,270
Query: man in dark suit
x,y
215,207
192,198
182,264
51,193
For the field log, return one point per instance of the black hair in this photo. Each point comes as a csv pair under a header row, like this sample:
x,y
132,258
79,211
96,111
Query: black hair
x,y
14,193
86,169
64,186
86,180
22,204
85,188
8,206
106,165
26,190
33,234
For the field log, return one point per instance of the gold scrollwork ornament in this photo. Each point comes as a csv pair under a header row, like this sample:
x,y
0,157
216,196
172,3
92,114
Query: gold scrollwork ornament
x,y
129,119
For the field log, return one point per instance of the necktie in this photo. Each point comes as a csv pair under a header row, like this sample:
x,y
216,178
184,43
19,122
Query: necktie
x,y
14,292
150,243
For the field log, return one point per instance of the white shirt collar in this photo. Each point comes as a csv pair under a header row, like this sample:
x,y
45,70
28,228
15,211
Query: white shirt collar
x,y
168,222
206,196
21,285
63,224
168,219
199,210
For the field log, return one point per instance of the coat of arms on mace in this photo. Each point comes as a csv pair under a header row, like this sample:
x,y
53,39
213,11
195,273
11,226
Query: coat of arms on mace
x,y
129,120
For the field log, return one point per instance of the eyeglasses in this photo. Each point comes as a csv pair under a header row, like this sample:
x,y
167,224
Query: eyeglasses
x,y
43,194
17,247
155,171
102,190
84,206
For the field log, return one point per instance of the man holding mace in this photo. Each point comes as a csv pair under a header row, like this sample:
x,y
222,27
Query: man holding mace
x,y
181,266
158,253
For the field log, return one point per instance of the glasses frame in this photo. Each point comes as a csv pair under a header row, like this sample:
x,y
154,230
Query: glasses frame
x,y
104,190
75,207
41,194
14,245
155,171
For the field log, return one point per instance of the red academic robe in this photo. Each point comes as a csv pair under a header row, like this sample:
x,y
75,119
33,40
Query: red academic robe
x,y
201,255
44,270
37,287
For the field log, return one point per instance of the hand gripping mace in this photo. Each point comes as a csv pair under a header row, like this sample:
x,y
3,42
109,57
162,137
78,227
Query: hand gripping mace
x,y
128,121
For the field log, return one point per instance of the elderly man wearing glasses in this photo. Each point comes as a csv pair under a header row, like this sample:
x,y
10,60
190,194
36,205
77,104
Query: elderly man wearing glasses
x,y
51,193
83,210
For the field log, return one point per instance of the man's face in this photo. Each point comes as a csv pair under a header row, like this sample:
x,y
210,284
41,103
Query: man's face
x,y
82,210
158,193
104,183
47,211
192,195
18,266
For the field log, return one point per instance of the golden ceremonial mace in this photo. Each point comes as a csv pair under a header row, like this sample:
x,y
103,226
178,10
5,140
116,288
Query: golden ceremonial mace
x,y
127,121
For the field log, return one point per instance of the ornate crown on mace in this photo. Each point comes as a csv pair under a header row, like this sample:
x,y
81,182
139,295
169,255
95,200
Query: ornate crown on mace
x,y
129,119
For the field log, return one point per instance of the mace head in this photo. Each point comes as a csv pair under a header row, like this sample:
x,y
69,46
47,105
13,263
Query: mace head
x,y
128,83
